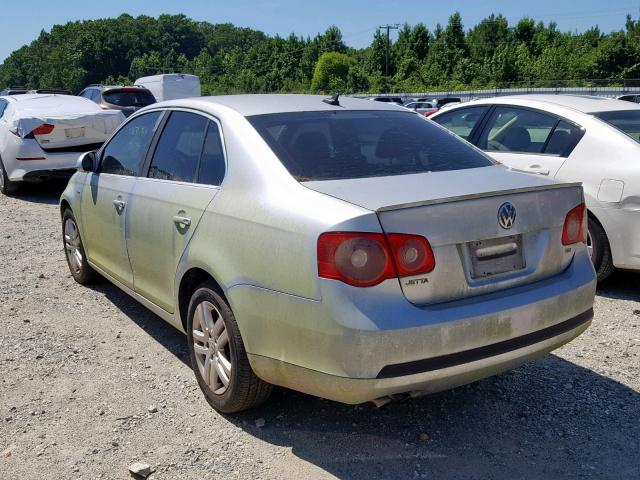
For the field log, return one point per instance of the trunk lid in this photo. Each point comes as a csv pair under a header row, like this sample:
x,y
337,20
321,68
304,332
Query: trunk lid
x,y
458,212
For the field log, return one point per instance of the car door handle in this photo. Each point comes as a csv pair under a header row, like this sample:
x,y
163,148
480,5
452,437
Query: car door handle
x,y
181,221
119,204
537,169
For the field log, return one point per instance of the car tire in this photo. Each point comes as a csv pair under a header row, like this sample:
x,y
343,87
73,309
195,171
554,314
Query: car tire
x,y
80,269
599,249
7,187
218,356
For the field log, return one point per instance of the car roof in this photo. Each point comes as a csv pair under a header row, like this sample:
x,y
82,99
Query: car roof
x,y
580,103
260,104
24,96
48,100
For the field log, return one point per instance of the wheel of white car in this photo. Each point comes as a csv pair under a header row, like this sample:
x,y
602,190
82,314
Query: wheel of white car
x,y
7,187
599,250
80,269
218,357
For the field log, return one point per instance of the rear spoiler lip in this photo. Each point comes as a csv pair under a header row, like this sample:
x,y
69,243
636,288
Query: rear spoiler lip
x,y
472,196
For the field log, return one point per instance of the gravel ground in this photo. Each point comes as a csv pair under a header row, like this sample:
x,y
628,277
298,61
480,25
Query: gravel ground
x,y
91,382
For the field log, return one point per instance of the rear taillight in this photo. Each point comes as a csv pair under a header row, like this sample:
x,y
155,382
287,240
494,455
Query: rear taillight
x,y
44,129
412,254
366,259
575,226
360,259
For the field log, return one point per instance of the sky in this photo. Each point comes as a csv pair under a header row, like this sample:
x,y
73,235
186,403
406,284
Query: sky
x,y
356,19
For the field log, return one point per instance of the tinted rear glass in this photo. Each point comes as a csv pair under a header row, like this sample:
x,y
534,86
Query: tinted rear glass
x,y
628,121
354,144
129,99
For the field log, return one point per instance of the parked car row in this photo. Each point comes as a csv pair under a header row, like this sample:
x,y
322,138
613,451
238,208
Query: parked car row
x,y
42,131
348,249
423,259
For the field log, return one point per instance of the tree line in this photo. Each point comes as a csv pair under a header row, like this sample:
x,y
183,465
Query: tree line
x,y
231,59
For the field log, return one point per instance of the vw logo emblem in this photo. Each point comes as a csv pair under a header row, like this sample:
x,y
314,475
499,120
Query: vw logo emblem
x,y
506,215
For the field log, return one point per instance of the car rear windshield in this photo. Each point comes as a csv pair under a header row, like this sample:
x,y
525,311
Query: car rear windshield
x,y
129,99
628,121
359,144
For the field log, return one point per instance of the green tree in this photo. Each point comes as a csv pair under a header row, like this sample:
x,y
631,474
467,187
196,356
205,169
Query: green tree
x,y
332,71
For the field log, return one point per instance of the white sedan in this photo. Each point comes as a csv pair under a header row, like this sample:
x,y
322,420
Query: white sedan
x,y
592,140
41,136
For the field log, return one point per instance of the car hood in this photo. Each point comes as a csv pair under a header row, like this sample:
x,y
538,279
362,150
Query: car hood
x,y
402,191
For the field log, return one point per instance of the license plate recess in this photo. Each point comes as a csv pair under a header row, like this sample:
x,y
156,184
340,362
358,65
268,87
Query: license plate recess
x,y
495,256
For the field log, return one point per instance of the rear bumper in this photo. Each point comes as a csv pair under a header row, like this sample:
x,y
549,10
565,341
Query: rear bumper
x,y
44,175
360,344
48,164
353,391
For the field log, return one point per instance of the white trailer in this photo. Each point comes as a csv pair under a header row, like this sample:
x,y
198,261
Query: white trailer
x,y
171,86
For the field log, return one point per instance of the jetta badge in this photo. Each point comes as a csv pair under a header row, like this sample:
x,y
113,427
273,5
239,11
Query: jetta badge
x,y
506,215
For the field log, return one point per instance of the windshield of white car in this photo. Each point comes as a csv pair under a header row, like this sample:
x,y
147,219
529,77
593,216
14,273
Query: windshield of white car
x,y
360,144
627,121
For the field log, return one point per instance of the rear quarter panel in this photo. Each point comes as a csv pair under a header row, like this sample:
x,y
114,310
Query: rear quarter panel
x,y
261,229
607,162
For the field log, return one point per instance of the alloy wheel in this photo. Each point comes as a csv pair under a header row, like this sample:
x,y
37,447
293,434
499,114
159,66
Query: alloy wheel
x,y
72,245
211,347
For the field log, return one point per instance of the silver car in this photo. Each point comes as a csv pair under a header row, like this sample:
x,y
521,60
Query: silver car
x,y
348,249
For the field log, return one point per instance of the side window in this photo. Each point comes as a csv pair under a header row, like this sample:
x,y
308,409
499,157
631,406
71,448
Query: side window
x,y
513,129
126,151
3,107
462,121
564,137
212,167
178,151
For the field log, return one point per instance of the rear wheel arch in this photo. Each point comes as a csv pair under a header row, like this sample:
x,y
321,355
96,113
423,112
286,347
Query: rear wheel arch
x,y
189,283
593,216
64,206
603,256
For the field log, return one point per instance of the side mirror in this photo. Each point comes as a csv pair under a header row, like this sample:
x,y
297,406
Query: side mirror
x,y
87,162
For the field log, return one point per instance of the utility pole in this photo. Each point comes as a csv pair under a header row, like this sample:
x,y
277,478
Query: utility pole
x,y
388,27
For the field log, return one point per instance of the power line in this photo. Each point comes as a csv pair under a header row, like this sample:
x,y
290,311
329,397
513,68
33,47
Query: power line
x,y
388,27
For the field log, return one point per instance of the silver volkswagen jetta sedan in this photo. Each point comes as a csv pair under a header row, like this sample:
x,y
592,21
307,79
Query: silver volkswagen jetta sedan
x,y
348,249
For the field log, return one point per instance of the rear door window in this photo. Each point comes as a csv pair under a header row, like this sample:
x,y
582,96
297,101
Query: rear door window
x,y
126,151
179,148
212,164
512,129
3,107
357,144
462,121
564,138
